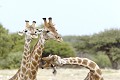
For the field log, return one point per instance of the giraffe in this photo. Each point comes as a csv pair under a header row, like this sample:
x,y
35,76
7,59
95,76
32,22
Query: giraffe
x,y
36,54
94,74
30,33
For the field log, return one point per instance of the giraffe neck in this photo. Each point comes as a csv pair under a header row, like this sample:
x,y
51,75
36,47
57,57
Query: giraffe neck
x,y
24,63
25,59
35,57
87,63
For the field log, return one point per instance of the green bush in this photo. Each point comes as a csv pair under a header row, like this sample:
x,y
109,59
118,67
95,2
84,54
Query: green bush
x,y
13,60
102,60
62,49
3,64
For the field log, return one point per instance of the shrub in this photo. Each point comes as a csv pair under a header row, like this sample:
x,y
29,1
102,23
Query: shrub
x,y
11,61
62,49
102,60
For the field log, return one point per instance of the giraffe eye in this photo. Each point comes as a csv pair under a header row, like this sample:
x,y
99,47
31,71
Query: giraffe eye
x,y
47,31
25,30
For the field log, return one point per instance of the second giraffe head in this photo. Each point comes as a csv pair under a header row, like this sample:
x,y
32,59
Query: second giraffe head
x,y
29,31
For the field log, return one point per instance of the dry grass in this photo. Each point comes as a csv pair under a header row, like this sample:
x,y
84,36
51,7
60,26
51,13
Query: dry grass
x,y
64,74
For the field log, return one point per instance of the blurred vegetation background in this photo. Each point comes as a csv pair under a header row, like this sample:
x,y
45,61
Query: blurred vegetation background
x,y
102,47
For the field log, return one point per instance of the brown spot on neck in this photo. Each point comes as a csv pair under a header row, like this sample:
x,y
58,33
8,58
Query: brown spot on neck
x,y
36,57
70,60
99,71
34,62
85,62
96,77
79,60
33,72
32,67
34,77
25,50
23,69
30,75
23,62
74,61
39,51
92,65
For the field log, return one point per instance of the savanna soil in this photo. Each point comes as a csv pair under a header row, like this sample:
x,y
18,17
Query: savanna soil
x,y
64,74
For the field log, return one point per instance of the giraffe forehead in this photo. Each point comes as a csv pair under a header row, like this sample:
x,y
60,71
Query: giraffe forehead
x,y
54,30
30,28
48,35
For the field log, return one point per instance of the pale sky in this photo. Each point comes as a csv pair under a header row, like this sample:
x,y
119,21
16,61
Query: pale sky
x,y
71,17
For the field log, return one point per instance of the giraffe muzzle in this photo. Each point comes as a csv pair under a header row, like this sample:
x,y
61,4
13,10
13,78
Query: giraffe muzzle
x,y
33,35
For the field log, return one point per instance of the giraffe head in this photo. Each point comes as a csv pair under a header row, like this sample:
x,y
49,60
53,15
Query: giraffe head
x,y
30,31
49,26
46,35
54,60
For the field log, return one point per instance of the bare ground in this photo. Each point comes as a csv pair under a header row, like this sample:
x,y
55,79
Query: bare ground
x,y
64,74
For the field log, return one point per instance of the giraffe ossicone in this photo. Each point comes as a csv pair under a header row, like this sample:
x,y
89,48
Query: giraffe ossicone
x,y
30,31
